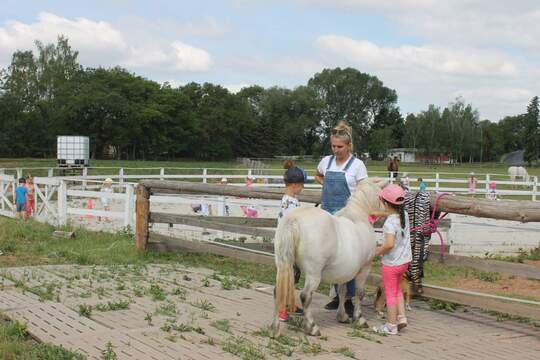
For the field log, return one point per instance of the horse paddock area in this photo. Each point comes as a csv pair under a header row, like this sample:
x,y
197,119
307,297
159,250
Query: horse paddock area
x,y
175,312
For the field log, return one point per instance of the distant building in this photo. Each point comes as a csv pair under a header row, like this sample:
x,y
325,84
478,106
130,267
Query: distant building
x,y
409,155
403,154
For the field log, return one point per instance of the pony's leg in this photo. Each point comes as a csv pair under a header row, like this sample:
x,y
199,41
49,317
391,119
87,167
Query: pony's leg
x,y
341,314
311,284
276,324
360,282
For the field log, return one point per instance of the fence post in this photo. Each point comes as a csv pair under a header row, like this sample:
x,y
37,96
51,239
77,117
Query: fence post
x,y
204,173
437,178
84,174
249,173
128,206
50,172
161,173
487,186
2,171
19,173
142,217
121,176
535,187
62,203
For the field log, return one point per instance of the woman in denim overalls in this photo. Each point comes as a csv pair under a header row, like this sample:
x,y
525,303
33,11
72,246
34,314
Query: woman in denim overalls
x,y
339,174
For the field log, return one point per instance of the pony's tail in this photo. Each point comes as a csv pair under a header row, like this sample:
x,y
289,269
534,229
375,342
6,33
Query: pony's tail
x,y
284,246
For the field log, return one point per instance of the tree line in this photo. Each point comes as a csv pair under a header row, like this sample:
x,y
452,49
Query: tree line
x,y
46,92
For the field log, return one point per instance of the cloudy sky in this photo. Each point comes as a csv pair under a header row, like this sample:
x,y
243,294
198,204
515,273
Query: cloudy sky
x,y
430,51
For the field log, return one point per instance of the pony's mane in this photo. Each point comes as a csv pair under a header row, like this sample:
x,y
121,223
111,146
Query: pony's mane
x,y
360,203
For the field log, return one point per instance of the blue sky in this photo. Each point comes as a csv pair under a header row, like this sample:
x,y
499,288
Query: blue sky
x,y
431,52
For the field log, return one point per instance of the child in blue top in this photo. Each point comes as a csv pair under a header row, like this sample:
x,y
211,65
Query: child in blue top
x,y
20,198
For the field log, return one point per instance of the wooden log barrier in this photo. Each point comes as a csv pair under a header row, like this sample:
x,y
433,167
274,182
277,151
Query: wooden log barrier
x,y
522,211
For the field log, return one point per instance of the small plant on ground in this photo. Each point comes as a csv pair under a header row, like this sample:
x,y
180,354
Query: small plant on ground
x,y
206,282
223,325
168,309
263,332
157,293
85,310
108,353
435,304
180,292
148,319
345,351
296,323
364,334
204,305
242,347
113,306
487,276
311,348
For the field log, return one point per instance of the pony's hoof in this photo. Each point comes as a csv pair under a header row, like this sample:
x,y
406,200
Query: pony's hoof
x,y
276,329
315,331
343,318
361,323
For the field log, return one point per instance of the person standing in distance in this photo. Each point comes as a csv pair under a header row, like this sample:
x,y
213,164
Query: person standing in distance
x,y
339,175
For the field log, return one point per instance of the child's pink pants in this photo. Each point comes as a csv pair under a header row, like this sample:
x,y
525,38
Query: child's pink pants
x,y
391,276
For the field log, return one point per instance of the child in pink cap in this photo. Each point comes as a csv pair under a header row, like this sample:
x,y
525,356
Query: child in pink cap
x,y
396,256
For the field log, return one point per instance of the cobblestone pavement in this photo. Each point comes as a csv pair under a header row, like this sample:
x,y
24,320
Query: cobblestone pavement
x,y
172,312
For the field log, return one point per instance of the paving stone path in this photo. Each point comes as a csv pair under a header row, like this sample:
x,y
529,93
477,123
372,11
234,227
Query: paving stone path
x,y
172,312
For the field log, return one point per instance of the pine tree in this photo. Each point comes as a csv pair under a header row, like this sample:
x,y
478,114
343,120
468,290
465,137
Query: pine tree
x,y
532,142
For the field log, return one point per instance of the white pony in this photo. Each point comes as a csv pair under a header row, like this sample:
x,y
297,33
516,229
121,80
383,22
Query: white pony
x,y
516,172
329,248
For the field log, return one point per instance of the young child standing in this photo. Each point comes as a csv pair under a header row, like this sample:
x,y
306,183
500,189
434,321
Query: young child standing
x,y
396,256
294,179
472,183
422,186
106,201
30,196
20,198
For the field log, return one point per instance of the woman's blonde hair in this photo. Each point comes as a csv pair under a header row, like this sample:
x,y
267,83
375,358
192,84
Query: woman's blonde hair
x,y
343,131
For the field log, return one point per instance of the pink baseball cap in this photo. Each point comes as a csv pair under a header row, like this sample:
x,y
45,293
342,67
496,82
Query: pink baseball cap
x,y
393,193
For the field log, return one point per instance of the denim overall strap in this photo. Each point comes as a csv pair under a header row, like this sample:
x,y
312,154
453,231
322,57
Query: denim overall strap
x,y
335,189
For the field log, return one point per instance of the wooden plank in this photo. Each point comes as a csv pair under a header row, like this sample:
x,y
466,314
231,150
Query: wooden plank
x,y
232,220
158,242
501,267
523,211
482,302
201,221
142,216
312,196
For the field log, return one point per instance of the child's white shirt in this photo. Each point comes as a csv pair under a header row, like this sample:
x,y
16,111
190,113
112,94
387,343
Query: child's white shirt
x,y
288,203
106,201
401,252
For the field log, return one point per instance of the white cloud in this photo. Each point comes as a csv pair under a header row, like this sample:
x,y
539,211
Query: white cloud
x,y
467,62
491,80
101,44
234,88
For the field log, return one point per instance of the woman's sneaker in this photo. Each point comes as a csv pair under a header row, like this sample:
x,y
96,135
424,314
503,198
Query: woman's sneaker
x,y
283,316
401,322
299,312
388,329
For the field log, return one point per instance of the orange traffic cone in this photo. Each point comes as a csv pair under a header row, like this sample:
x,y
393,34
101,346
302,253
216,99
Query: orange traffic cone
x,y
89,206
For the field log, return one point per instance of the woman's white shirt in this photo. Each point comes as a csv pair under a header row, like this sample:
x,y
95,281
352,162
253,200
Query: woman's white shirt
x,y
354,174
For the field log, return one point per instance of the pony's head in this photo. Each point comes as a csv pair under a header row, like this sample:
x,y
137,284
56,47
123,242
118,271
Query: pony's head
x,y
366,195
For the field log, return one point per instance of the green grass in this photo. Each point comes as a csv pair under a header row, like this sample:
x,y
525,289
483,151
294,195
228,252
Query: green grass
x,y
15,343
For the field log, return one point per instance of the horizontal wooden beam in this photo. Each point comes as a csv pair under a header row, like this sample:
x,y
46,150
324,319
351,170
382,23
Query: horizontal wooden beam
x,y
523,211
200,221
158,242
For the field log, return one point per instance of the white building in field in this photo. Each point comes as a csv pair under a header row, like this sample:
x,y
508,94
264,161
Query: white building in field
x,y
403,154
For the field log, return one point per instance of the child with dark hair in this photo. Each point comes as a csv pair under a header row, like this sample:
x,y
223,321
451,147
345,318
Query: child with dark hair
x,y
396,256
294,179
20,198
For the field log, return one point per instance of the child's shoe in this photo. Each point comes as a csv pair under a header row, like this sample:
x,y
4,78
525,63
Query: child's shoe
x,y
283,315
387,328
401,322
299,312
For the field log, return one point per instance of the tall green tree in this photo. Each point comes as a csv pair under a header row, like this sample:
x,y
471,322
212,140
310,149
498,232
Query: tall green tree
x,y
532,132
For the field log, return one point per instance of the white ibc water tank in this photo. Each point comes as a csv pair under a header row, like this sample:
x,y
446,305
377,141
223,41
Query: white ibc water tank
x,y
73,151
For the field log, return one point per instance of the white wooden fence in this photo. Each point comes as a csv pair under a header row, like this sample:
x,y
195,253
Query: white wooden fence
x,y
443,182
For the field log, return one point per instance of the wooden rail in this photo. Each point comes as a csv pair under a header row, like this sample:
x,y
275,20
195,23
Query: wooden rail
x,y
523,211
